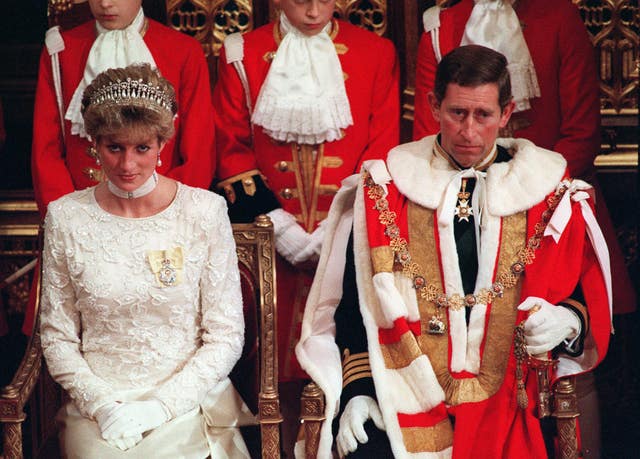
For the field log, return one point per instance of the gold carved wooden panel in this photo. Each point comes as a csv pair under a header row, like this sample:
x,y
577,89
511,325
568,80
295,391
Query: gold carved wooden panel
x,y
614,26
210,21
18,247
368,14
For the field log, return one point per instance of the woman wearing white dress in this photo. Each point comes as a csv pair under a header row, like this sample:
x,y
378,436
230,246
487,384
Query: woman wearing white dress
x,y
141,318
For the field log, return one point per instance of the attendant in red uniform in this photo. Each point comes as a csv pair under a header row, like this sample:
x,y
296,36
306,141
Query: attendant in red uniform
x,y
120,33
300,103
61,160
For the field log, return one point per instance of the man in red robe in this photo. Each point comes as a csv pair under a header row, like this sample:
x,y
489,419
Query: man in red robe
x,y
553,68
300,103
468,252
563,117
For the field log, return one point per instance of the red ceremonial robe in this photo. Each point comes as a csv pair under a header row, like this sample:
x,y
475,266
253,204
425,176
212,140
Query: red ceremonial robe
x,y
469,372
302,185
565,119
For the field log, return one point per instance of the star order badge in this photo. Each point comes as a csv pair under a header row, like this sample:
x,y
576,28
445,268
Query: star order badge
x,y
463,209
166,266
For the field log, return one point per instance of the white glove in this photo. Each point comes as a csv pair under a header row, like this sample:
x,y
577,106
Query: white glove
x,y
291,239
351,431
126,442
312,250
130,419
548,326
103,413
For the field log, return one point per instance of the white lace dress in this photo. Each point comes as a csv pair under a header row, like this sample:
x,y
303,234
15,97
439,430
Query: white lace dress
x,y
117,324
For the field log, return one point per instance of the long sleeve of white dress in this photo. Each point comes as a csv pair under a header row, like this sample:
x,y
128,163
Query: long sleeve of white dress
x,y
111,328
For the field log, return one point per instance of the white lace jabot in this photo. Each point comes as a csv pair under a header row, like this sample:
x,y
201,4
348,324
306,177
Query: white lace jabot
x,y
494,24
111,49
303,98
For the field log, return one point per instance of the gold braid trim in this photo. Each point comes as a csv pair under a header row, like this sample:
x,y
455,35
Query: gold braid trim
x,y
248,184
354,367
401,354
234,178
582,309
382,259
502,312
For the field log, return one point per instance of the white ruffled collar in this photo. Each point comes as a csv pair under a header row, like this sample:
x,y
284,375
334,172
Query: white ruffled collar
x,y
303,98
511,186
494,24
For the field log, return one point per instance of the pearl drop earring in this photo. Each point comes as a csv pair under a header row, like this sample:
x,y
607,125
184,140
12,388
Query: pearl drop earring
x,y
93,152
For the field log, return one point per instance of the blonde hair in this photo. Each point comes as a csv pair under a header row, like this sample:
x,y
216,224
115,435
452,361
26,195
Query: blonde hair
x,y
135,98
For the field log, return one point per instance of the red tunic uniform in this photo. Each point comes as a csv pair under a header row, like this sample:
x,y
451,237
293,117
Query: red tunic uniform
x,y
566,118
304,179
58,168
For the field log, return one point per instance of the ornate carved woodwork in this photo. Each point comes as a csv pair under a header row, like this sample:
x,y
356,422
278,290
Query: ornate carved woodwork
x,y
210,21
312,406
614,27
565,411
368,14
256,250
18,246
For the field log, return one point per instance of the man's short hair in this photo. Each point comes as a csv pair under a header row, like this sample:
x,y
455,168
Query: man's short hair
x,y
471,66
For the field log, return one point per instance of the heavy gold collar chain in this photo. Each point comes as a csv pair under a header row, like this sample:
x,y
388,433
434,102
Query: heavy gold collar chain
x,y
506,279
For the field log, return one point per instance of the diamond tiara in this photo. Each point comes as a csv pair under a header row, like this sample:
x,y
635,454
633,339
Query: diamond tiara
x,y
134,92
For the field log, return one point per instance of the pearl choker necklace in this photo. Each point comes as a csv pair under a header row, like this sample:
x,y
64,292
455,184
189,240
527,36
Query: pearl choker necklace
x,y
146,188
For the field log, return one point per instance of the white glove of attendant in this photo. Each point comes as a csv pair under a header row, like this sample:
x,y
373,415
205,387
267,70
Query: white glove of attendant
x,y
312,251
130,419
548,325
291,239
351,431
